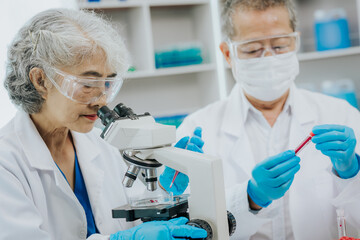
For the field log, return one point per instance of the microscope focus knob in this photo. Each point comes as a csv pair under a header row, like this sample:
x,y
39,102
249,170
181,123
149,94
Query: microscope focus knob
x,y
231,223
203,225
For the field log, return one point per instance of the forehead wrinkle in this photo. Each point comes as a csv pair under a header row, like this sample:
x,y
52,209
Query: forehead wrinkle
x,y
272,21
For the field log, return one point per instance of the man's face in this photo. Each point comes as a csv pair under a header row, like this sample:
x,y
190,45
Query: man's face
x,y
251,24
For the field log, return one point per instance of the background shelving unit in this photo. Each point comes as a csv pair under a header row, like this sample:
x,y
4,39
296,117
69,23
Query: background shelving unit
x,y
316,67
148,25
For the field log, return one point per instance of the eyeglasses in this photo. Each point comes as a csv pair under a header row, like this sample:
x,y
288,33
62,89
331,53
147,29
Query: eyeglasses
x,y
257,48
86,90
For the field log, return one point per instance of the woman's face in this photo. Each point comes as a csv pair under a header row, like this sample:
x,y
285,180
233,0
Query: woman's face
x,y
64,112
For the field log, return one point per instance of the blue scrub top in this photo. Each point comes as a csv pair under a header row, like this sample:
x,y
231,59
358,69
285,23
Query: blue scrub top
x,y
81,194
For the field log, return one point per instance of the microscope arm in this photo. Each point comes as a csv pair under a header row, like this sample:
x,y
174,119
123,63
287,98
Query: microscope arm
x,y
207,199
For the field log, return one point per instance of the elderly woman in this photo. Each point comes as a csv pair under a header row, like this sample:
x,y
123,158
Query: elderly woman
x,y
58,178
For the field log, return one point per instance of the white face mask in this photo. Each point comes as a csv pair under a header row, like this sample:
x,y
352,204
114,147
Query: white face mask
x,y
266,78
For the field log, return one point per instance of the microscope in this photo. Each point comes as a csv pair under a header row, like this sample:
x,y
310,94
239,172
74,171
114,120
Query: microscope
x,y
145,146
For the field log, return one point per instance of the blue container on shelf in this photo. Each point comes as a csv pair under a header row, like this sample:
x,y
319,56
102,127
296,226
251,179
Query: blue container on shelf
x,y
344,89
178,56
331,29
93,0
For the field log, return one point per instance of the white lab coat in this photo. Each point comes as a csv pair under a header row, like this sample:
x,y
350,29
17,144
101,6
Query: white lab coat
x,y
36,202
316,192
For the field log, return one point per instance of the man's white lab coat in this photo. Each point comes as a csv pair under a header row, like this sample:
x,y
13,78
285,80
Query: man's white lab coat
x,y
316,192
36,202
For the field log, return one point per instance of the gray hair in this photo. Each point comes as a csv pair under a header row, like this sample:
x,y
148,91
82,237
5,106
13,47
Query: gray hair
x,y
229,7
58,38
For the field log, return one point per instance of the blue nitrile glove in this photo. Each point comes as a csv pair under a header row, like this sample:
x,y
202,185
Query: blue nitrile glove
x,y
338,142
182,181
272,177
159,230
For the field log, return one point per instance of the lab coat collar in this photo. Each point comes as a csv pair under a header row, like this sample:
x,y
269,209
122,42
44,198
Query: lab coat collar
x,y
237,109
250,109
247,106
88,152
289,104
85,148
34,147
303,109
235,113
36,150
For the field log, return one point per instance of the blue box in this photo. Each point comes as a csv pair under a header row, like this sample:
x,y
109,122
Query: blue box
x,y
178,57
332,31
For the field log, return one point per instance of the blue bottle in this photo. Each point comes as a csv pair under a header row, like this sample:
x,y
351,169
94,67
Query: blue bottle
x,y
331,30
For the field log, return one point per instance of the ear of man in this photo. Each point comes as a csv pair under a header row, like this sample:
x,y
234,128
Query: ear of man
x,y
224,47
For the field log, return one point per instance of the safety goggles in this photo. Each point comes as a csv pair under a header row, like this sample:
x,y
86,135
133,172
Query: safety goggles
x,y
85,90
257,48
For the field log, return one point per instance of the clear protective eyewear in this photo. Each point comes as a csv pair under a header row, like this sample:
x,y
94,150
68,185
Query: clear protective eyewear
x,y
86,90
257,48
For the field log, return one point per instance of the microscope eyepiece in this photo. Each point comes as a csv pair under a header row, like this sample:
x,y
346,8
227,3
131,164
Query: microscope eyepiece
x,y
106,115
123,111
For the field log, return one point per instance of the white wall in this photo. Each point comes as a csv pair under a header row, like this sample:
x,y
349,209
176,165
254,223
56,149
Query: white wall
x,y
13,14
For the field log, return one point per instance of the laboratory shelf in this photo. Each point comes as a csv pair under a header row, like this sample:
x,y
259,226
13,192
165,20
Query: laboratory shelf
x,y
171,71
148,26
329,54
159,3
112,4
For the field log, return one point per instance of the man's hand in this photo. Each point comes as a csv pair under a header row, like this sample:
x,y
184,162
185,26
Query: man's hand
x,y
272,177
338,143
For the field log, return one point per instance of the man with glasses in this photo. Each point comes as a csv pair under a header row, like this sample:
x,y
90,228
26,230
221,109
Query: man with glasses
x,y
266,115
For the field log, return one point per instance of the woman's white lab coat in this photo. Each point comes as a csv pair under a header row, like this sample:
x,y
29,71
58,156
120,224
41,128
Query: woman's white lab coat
x,y
316,192
36,202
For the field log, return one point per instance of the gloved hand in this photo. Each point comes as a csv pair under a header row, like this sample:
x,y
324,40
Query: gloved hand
x,y
160,230
272,177
182,181
338,142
